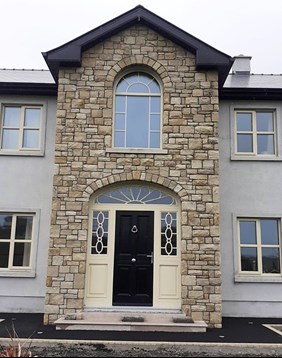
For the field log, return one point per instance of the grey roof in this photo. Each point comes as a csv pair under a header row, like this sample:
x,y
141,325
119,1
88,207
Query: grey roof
x,y
206,56
253,81
25,76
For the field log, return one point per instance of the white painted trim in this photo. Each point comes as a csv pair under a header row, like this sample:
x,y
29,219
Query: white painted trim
x,y
29,271
172,302
273,106
23,103
249,276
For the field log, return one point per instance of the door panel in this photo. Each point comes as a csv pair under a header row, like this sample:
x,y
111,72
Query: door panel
x,y
133,268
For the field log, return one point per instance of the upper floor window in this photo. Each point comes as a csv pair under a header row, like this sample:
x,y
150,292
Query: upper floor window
x,y
137,119
260,246
21,128
255,132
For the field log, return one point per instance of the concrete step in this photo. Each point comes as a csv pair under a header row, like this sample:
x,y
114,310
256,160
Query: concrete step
x,y
130,321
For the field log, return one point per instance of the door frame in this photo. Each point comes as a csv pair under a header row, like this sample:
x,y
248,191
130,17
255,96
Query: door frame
x,y
102,266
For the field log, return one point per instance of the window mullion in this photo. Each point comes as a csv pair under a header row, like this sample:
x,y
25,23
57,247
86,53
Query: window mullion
x,y
254,123
259,246
21,129
149,124
125,119
12,241
280,244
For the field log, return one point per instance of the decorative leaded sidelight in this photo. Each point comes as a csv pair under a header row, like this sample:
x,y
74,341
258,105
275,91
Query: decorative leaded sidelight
x,y
99,243
168,233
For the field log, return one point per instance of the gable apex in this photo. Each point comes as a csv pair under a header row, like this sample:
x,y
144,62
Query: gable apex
x,y
207,57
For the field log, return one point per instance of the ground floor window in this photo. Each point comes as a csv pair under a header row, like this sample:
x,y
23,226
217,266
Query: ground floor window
x,y
259,245
16,236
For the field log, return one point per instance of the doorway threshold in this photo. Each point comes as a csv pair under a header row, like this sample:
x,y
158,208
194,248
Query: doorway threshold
x,y
130,319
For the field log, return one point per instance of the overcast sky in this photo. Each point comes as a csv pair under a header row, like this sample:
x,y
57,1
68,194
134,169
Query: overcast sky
x,y
249,27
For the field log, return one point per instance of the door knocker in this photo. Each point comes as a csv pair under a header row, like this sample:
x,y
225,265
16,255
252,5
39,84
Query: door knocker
x,y
134,229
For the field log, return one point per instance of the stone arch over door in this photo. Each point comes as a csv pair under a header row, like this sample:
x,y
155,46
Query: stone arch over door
x,y
178,189
113,275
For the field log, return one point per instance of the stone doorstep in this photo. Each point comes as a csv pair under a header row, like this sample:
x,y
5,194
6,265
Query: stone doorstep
x,y
119,321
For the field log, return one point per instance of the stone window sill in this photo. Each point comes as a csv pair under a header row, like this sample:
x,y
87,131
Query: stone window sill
x,y
136,150
259,279
17,273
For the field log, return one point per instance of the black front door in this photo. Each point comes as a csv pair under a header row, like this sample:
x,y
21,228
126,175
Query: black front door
x,y
133,268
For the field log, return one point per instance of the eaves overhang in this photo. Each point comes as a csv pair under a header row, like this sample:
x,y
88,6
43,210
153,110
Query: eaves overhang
x,y
24,88
207,57
250,94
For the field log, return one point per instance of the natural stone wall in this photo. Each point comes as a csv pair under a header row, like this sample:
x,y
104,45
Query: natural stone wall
x,y
188,164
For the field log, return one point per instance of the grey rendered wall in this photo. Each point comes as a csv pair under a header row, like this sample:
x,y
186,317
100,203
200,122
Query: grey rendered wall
x,y
251,188
26,185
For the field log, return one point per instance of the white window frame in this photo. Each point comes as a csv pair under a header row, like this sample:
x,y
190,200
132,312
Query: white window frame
x,y
255,276
21,271
258,106
125,149
255,133
39,151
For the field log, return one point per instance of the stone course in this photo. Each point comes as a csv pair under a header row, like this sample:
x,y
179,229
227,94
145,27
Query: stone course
x,y
187,164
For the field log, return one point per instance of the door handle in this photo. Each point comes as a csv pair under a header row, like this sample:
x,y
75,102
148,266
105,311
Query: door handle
x,y
151,257
133,260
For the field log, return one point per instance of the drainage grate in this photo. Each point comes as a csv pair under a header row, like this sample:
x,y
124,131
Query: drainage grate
x,y
133,319
182,320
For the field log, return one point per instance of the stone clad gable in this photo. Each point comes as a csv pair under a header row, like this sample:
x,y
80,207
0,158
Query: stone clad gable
x,y
187,164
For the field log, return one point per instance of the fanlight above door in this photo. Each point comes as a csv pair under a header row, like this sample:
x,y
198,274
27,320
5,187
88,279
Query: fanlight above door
x,y
135,194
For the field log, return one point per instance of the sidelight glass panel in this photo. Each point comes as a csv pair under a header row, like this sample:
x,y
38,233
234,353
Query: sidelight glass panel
x,y
100,230
168,233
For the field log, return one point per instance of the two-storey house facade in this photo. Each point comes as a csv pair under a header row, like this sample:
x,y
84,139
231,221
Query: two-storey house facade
x,y
135,176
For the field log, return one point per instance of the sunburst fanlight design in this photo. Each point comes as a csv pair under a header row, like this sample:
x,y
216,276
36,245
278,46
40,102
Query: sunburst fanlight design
x,y
135,194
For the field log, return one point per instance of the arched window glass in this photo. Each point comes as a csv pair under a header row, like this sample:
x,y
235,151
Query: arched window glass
x,y
137,112
135,194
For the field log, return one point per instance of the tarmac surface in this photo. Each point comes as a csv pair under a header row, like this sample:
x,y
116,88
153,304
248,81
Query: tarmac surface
x,y
238,337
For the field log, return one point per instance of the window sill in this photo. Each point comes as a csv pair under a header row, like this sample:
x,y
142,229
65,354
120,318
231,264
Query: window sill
x,y
17,273
136,150
259,279
38,153
257,158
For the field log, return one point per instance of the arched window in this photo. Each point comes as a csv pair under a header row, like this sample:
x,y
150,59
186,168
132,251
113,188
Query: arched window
x,y
137,112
